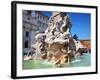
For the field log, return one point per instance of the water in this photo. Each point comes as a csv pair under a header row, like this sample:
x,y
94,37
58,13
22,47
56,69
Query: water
x,y
84,60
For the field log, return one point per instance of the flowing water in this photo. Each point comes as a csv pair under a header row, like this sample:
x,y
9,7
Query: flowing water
x,y
84,60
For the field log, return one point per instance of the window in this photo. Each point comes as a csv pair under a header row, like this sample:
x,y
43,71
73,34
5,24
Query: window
x,y
29,12
34,17
26,44
43,18
24,54
23,26
40,17
28,18
38,22
27,34
43,24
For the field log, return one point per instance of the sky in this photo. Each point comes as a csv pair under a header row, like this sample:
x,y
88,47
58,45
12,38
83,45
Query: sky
x,y
80,24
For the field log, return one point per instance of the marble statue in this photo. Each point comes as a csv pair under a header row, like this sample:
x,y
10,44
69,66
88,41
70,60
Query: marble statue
x,y
56,43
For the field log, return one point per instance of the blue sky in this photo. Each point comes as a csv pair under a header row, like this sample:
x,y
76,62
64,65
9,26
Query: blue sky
x,y
80,24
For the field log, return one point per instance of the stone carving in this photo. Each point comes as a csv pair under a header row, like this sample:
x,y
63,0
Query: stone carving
x,y
56,44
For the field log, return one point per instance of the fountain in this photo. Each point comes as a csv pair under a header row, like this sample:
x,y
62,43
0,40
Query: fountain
x,y
56,44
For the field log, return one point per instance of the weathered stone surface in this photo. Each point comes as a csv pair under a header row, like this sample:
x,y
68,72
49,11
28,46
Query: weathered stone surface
x,y
56,44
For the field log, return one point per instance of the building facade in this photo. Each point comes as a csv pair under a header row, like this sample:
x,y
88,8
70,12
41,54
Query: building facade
x,y
33,21
87,45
